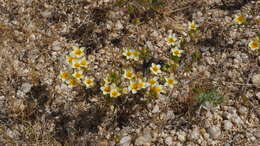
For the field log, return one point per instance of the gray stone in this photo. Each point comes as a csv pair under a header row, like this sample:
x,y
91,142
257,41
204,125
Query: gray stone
x,y
168,140
144,139
125,141
214,132
227,125
256,80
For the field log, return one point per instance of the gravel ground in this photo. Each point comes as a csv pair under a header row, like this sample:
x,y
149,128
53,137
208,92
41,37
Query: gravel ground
x,y
37,108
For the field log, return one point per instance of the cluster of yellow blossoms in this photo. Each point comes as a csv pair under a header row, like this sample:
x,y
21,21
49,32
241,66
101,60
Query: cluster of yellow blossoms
x,y
253,44
76,59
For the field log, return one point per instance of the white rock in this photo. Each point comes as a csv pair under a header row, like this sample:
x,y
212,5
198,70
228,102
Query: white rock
x,y
256,80
46,13
119,25
145,139
214,132
26,87
227,125
168,140
257,134
156,109
125,141
181,136
195,134
258,95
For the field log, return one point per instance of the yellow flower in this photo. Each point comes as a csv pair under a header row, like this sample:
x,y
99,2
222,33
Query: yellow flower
x,y
128,53
64,76
78,75
155,69
114,93
72,83
134,87
83,62
89,82
141,84
170,81
158,89
152,82
176,52
70,59
239,19
171,39
78,52
135,55
106,89
253,45
192,26
76,64
129,74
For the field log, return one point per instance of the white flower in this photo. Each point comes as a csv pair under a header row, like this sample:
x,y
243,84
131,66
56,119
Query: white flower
x,y
170,81
70,59
192,26
72,83
89,82
153,82
114,92
134,87
155,69
76,64
128,53
158,89
171,40
129,74
64,76
176,52
254,45
78,75
78,52
239,19
106,89
83,62
135,55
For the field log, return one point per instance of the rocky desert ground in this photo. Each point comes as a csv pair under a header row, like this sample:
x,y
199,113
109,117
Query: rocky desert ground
x,y
203,54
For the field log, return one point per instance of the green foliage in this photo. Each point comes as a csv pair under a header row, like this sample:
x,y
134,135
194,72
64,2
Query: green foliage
x,y
208,96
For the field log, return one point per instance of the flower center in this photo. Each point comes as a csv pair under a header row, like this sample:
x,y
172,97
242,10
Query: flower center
x,y
129,74
107,89
78,52
254,44
114,93
171,40
170,81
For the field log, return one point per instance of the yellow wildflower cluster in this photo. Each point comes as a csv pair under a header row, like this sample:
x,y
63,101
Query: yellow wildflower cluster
x,y
76,59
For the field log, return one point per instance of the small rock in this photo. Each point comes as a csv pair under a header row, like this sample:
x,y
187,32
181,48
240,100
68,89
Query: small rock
x,y
256,80
125,141
242,110
46,13
26,87
145,139
258,95
181,136
168,140
227,125
119,25
195,134
257,134
156,109
214,132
